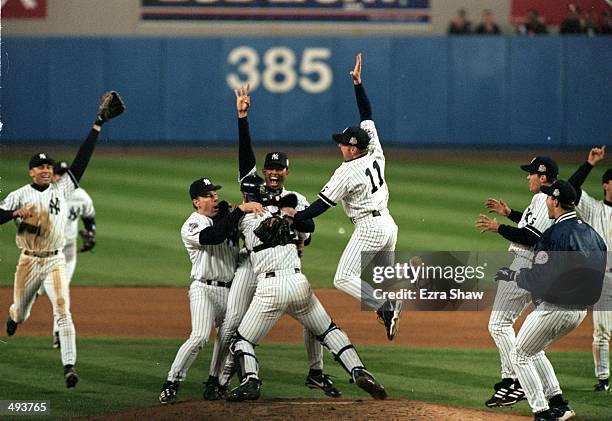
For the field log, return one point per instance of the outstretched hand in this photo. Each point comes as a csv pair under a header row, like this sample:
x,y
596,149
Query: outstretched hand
x,y
596,155
486,224
497,206
356,72
243,100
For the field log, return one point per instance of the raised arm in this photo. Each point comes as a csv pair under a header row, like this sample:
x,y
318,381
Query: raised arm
x,y
246,156
580,175
363,104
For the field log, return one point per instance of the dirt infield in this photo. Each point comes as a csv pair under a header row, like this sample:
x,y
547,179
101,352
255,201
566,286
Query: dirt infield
x,y
164,312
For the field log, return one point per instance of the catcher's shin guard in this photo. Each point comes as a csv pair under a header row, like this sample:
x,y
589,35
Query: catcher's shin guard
x,y
245,360
336,341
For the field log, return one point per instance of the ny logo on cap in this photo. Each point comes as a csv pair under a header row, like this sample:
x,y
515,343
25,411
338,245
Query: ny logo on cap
x,y
206,181
274,156
556,193
353,141
42,156
542,168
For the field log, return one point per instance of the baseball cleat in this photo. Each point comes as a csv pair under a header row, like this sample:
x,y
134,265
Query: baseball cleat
x,y
249,390
11,327
70,376
323,382
56,341
562,413
213,390
389,315
367,382
602,386
544,416
168,392
507,393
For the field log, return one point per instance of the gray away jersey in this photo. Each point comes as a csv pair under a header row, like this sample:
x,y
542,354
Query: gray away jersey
x,y
44,229
598,215
535,219
209,262
360,183
79,205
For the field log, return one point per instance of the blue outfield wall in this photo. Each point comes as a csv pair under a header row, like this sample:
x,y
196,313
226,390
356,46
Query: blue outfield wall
x,y
457,91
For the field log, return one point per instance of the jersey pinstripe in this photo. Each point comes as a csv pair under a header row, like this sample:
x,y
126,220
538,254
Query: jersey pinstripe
x,y
535,219
209,262
360,183
79,205
598,215
44,229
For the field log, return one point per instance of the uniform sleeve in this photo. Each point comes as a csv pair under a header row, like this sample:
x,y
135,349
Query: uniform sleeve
x,y
537,217
190,232
9,204
88,207
336,188
586,206
374,148
68,183
302,202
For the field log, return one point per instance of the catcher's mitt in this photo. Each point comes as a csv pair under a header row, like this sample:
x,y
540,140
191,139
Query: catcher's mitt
x,y
89,240
275,231
288,201
111,105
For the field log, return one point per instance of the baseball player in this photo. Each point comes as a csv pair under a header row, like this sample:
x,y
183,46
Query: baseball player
x,y
359,183
40,211
510,300
566,276
598,213
275,171
282,288
212,244
79,205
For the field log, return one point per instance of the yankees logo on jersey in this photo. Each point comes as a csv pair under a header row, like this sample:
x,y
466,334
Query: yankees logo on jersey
x,y
535,219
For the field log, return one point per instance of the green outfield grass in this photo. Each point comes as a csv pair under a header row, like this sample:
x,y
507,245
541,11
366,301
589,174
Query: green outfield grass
x,y
117,374
142,201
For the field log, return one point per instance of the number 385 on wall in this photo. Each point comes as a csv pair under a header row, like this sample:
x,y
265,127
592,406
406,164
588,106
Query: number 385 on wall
x,y
280,72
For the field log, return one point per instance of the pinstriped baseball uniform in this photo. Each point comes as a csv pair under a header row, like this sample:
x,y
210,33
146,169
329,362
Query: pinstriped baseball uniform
x,y
207,303
41,238
360,185
240,297
599,215
510,300
282,288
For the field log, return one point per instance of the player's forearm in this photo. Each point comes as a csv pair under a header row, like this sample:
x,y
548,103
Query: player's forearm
x,y
89,223
365,109
81,160
311,212
5,216
305,225
518,235
246,155
515,216
578,178
221,229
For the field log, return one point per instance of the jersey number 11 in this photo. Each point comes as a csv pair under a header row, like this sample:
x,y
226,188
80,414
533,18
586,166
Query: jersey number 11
x,y
380,179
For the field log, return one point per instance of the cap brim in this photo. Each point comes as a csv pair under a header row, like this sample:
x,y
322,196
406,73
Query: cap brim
x,y
339,138
216,187
528,168
547,190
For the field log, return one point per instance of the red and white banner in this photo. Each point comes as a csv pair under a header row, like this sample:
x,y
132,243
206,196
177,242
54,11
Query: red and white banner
x,y
24,9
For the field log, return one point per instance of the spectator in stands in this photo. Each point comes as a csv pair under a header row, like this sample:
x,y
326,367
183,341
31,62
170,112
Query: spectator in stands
x,y
488,25
571,24
460,25
532,25
606,22
589,24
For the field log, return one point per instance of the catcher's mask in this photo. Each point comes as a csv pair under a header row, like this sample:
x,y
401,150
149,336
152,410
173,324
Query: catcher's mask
x,y
254,188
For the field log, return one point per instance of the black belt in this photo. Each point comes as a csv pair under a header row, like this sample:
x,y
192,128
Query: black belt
x,y
357,218
273,274
216,283
40,253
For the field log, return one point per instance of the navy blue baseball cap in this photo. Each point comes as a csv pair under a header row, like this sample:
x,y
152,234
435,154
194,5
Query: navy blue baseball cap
x,y
276,158
60,167
201,187
542,165
607,176
40,159
561,190
353,136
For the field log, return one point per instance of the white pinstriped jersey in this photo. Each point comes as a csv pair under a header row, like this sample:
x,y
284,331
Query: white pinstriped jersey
x,y
598,215
79,204
535,219
209,262
44,229
360,183
270,259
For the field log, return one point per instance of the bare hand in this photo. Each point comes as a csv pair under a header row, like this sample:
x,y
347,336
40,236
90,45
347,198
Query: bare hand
x,y
252,207
356,72
596,155
497,206
289,211
22,213
486,224
243,100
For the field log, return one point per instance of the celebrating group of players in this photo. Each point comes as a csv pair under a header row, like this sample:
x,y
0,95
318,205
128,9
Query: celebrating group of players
x,y
244,291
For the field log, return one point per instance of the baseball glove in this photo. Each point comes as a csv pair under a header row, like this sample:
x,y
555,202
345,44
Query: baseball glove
x,y
89,240
111,105
275,231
